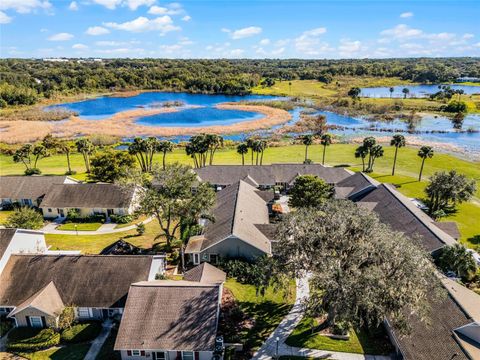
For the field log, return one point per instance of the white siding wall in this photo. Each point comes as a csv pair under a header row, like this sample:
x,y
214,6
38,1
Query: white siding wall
x,y
171,355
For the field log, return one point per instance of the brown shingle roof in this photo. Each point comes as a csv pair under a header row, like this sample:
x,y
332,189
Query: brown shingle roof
x,y
6,236
47,300
27,187
173,315
268,175
87,196
450,227
205,273
398,211
238,209
81,280
354,184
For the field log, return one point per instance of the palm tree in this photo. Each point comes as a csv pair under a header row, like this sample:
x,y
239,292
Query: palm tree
x,y
307,140
405,92
424,153
86,148
376,151
361,152
66,147
325,140
391,91
398,141
242,149
214,142
251,145
164,147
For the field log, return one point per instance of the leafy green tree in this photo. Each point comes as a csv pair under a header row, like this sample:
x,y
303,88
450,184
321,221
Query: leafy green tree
x,y
424,153
66,318
446,190
354,93
391,91
308,191
242,149
359,266
398,141
165,147
456,258
29,155
110,165
307,140
405,92
456,106
86,148
25,218
325,140
361,152
50,142
167,194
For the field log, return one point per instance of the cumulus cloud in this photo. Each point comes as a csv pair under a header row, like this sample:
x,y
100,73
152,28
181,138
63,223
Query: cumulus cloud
x,y
264,42
4,18
73,6
187,18
79,46
406,15
244,33
109,4
236,52
170,9
163,24
97,30
308,43
61,37
402,31
349,48
278,51
24,6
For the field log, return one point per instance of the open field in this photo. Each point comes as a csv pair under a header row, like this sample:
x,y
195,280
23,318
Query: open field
x,y
298,88
408,165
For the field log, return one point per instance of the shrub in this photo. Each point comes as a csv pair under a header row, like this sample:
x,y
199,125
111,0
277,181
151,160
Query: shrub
x,y
25,218
33,171
73,172
73,215
81,332
67,317
455,106
140,229
44,339
121,219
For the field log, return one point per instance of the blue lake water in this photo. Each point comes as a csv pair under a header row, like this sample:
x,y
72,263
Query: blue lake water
x,y
207,114
415,90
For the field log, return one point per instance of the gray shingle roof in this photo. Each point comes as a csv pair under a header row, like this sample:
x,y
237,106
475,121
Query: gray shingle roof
x,y
83,280
87,196
174,315
27,187
402,215
268,175
354,185
6,236
238,208
205,273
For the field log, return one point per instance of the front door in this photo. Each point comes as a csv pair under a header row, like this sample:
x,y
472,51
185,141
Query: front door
x,y
159,355
213,258
109,212
61,213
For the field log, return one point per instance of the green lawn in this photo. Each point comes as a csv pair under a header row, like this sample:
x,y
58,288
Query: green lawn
x,y
107,352
94,244
408,165
307,88
80,226
267,310
70,352
4,214
360,342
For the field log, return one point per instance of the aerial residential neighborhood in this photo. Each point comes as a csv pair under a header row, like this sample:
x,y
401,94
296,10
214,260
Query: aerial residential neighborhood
x,y
233,180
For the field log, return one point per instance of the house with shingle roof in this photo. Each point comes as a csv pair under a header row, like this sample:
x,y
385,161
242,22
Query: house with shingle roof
x,y
28,190
36,288
88,199
234,232
181,321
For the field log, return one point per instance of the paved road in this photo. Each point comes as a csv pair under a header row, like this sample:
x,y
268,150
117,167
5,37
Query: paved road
x,y
275,344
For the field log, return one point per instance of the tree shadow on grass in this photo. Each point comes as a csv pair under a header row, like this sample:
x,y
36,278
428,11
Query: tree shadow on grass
x,y
475,240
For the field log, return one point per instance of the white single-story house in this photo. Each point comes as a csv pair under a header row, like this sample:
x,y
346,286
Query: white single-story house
x,y
88,199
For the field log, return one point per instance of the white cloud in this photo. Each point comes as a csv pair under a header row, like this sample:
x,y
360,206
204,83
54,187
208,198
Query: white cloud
x,y
278,51
402,31
349,48
163,24
24,6
4,18
61,37
109,43
135,4
187,18
97,30
122,51
73,6
308,43
244,33
264,42
477,45
109,4
468,36
406,15
170,9
79,46
236,52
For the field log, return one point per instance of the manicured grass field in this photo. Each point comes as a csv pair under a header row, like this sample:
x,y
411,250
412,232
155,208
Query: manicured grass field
x,y
267,310
80,226
360,342
94,244
408,165
70,352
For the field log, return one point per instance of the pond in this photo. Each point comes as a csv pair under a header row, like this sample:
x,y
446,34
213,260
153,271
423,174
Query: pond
x,y
198,109
418,91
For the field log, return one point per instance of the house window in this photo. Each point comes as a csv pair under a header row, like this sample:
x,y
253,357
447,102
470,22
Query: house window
x,y
49,210
213,258
5,309
187,355
36,321
160,355
196,259
83,312
135,352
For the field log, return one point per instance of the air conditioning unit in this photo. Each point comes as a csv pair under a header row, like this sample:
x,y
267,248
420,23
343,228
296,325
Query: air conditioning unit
x,y
218,345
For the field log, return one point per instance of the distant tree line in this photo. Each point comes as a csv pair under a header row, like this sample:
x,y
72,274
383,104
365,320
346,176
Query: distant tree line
x,y
23,81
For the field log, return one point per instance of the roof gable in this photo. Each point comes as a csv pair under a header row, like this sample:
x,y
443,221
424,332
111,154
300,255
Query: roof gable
x,y
27,187
47,300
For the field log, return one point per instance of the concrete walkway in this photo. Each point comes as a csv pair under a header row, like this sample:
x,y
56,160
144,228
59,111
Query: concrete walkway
x,y
98,342
107,228
275,344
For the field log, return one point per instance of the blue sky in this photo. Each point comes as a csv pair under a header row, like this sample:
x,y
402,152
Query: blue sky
x,y
238,29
